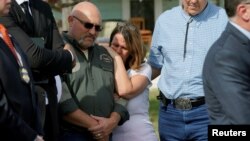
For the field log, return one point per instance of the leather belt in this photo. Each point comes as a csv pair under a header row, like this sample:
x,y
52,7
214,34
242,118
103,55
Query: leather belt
x,y
182,103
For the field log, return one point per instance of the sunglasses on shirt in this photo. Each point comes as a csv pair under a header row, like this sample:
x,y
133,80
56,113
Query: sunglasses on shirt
x,y
88,25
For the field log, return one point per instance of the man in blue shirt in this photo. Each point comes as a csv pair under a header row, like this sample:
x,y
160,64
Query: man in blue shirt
x,y
181,39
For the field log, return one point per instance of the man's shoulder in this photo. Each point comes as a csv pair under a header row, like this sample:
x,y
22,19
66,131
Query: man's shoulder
x,y
41,6
102,54
220,46
101,49
216,10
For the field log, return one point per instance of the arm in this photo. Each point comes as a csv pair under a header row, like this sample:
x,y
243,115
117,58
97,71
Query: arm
x,y
106,126
127,87
71,112
58,61
80,118
56,39
96,125
229,81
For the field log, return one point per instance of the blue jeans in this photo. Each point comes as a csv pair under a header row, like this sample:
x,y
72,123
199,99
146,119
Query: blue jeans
x,y
183,125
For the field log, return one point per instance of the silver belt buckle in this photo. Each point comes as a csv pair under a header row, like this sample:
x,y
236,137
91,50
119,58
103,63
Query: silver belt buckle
x,y
183,104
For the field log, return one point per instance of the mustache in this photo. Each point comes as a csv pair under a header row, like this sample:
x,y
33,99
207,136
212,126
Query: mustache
x,y
80,40
88,36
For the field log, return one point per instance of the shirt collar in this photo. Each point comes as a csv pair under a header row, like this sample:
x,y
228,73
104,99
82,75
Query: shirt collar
x,y
200,17
19,2
242,30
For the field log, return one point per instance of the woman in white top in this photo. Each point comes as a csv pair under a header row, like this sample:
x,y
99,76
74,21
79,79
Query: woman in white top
x,y
133,79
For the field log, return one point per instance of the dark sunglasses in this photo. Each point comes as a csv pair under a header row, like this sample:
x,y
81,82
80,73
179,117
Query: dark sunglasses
x,y
88,25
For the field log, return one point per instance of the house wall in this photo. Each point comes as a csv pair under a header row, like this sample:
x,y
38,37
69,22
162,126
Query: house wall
x,y
110,9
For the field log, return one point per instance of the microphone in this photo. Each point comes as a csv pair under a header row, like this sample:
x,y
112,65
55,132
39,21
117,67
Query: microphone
x,y
185,41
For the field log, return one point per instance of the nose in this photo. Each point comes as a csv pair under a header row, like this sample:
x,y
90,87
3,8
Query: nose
x,y
93,31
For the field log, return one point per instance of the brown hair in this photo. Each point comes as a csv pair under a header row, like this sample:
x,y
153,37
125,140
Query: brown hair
x,y
132,36
231,5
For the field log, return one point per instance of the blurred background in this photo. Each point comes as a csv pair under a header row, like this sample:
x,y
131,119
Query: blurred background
x,y
143,13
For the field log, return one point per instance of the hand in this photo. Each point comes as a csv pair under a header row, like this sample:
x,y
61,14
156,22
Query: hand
x,y
39,138
99,137
106,138
98,131
105,126
112,53
72,51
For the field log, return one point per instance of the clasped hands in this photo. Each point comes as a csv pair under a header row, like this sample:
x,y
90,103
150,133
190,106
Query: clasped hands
x,y
103,129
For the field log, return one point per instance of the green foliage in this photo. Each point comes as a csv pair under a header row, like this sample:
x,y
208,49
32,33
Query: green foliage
x,y
154,108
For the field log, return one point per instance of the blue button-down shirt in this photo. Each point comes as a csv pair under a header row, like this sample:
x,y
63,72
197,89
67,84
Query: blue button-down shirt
x,y
183,77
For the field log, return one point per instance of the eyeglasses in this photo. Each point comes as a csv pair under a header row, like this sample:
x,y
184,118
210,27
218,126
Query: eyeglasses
x,y
125,25
88,25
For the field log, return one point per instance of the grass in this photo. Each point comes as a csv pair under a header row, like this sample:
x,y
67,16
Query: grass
x,y
154,108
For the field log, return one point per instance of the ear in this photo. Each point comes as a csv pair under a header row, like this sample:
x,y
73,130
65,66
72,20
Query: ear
x,y
70,20
243,12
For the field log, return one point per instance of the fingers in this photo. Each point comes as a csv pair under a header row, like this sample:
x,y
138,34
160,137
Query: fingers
x,y
96,117
101,137
96,129
98,136
72,52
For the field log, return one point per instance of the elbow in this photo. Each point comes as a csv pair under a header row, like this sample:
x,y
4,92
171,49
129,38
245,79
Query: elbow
x,y
126,95
123,93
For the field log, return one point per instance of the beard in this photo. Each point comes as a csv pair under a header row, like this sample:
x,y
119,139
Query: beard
x,y
85,44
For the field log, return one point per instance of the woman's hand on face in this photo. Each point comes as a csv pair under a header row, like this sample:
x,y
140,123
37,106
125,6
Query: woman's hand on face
x,y
111,51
